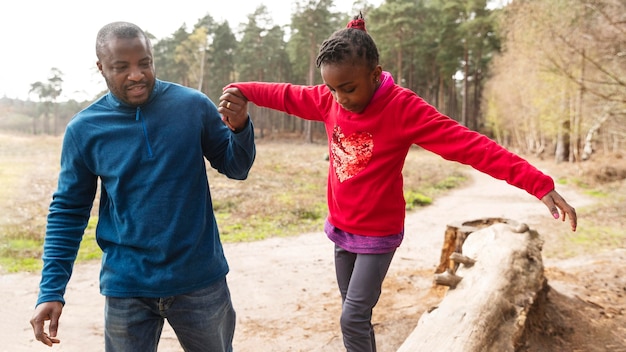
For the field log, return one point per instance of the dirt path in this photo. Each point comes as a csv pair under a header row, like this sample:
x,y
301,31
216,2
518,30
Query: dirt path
x,y
283,288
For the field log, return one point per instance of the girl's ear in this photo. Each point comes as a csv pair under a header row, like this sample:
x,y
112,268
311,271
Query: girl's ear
x,y
378,70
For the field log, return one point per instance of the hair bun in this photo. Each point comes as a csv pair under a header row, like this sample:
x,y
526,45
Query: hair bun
x,y
358,24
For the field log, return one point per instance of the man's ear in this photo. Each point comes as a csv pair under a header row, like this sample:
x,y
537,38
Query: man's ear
x,y
99,67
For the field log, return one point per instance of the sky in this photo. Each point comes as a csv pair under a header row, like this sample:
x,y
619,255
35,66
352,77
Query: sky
x,y
37,35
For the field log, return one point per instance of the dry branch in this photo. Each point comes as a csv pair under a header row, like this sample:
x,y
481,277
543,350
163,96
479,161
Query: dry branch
x,y
447,279
460,258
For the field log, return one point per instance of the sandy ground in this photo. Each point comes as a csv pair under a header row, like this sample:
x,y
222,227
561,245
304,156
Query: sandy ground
x,y
284,290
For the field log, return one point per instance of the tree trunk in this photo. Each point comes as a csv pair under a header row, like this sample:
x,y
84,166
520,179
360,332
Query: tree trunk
x,y
441,95
578,117
35,125
308,130
588,146
464,101
399,65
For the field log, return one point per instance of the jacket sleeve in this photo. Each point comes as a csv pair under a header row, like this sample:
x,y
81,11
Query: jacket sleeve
x,y
67,219
232,154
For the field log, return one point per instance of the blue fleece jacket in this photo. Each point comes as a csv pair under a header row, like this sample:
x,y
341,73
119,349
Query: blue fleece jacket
x,y
156,225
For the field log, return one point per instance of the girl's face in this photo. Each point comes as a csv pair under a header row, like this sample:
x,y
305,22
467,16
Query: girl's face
x,y
352,84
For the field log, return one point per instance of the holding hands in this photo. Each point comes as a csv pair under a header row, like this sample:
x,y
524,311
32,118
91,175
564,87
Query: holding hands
x,y
233,106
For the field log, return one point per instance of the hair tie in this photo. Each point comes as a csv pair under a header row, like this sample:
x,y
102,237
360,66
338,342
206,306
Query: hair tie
x,y
358,24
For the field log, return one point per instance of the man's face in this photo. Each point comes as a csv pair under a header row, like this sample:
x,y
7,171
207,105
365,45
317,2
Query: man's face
x,y
128,69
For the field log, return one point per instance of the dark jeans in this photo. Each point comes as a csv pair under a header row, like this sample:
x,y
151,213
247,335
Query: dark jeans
x,y
203,320
360,279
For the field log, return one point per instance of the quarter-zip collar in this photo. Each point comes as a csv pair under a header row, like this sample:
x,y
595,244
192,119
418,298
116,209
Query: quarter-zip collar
x,y
144,128
118,104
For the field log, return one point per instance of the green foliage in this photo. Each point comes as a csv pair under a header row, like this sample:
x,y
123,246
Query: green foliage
x,y
14,264
428,190
596,193
561,180
262,39
427,43
192,54
21,251
415,199
165,57
406,35
595,237
450,182
292,221
20,254
311,24
89,248
221,61
50,90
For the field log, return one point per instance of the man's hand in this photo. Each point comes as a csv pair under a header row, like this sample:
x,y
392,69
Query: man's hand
x,y
554,202
233,106
43,312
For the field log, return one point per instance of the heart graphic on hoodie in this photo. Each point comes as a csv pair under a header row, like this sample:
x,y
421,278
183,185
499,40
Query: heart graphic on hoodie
x,y
351,154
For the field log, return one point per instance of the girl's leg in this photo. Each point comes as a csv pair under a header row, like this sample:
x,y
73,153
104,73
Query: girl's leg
x,y
360,278
344,265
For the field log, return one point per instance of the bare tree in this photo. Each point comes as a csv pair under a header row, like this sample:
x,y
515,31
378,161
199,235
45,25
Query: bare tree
x,y
48,92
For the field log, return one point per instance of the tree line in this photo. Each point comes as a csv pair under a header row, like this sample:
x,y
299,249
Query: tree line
x,y
559,83
546,77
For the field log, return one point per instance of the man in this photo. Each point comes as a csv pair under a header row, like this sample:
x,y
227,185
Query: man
x,y
146,142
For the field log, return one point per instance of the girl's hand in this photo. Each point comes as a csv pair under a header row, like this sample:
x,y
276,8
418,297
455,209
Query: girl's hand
x,y
554,202
233,106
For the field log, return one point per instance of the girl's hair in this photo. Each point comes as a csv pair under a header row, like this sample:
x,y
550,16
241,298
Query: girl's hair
x,y
350,43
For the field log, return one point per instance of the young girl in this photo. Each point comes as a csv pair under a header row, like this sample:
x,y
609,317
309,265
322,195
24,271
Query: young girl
x,y
371,123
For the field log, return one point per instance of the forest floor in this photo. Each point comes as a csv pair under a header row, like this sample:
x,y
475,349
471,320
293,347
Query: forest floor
x,y
286,299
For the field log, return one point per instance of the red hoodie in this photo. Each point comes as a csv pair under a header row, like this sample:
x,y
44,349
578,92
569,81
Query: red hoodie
x,y
367,150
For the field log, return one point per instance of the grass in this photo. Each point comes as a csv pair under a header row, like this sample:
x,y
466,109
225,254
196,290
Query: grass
x,y
20,254
89,247
284,195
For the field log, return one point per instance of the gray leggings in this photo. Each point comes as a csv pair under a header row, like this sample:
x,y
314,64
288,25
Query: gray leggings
x,y
360,279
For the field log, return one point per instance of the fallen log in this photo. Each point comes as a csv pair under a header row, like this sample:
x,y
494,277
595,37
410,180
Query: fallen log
x,y
487,309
